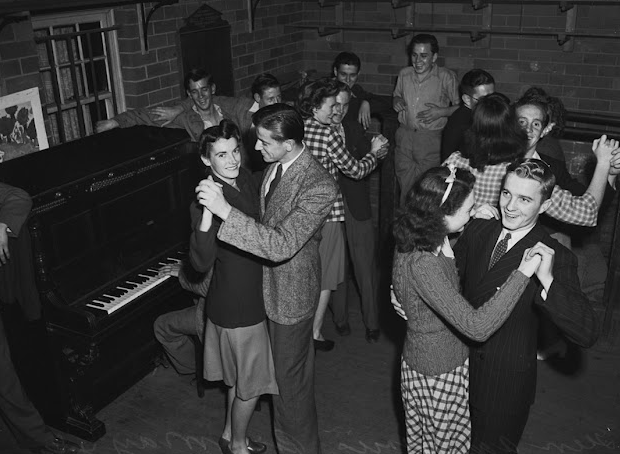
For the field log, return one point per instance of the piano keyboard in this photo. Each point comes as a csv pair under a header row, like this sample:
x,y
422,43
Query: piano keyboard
x,y
114,299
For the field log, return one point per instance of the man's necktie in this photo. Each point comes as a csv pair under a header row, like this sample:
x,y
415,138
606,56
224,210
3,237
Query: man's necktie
x,y
274,183
500,250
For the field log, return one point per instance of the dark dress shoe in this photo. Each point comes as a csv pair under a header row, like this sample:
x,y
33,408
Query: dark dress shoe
x,y
323,345
372,335
344,329
253,446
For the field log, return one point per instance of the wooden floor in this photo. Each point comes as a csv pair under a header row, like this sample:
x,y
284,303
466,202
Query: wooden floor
x,y
577,407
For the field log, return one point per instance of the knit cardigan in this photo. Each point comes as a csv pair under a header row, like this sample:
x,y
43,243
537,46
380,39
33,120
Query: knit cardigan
x,y
439,319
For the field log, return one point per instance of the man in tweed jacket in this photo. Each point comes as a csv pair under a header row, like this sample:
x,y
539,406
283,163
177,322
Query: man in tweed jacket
x,y
298,201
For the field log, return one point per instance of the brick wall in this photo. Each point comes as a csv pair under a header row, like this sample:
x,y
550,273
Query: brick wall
x,y
586,78
19,66
153,78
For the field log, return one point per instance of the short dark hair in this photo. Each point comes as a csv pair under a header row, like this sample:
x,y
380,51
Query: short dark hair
x,y
474,78
347,58
282,120
552,106
312,95
534,169
195,75
494,135
420,224
343,87
225,130
263,82
423,38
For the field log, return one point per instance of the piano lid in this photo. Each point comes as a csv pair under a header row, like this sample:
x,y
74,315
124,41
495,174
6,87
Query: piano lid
x,y
71,162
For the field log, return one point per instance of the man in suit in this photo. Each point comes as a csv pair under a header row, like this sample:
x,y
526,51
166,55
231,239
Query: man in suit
x,y
503,369
297,194
18,412
359,230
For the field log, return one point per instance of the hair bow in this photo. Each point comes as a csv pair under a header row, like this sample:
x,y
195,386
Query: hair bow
x,y
450,179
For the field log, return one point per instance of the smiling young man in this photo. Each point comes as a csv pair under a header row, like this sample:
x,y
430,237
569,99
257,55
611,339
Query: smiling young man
x,y
503,369
201,113
203,109
359,230
421,86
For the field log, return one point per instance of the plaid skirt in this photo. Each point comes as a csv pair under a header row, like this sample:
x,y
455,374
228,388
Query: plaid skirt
x,y
436,410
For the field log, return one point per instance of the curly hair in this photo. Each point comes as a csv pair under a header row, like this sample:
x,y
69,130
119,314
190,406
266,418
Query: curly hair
x,y
225,130
552,107
420,224
537,170
494,135
313,94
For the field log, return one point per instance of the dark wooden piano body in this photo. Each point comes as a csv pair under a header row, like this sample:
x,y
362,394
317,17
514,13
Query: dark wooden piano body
x,y
105,208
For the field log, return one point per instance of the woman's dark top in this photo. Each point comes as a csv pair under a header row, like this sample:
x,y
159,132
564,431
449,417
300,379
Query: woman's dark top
x,y
235,296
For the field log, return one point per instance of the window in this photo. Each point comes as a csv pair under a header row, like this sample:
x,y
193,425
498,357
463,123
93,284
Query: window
x,y
80,70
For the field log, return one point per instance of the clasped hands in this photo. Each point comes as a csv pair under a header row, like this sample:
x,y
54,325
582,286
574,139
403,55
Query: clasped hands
x,y
210,195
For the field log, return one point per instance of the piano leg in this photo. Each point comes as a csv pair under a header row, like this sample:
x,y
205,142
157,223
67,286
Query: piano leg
x,y
77,388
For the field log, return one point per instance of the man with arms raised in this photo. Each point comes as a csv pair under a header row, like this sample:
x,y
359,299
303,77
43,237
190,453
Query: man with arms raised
x,y
296,195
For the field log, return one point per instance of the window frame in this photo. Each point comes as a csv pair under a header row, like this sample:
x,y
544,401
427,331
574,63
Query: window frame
x,y
105,17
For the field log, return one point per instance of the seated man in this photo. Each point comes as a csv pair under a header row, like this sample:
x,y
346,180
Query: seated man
x,y
203,109
173,329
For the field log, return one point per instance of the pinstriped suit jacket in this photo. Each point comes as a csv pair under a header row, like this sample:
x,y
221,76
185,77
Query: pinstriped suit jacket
x,y
503,369
288,235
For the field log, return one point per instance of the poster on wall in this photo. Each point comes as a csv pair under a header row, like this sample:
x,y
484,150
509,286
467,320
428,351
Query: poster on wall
x,y
22,130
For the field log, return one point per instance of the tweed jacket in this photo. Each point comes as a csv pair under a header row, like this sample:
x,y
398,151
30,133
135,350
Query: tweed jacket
x,y
503,369
288,235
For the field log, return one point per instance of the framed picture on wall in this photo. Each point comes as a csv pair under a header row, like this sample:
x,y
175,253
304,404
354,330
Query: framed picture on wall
x,y
22,130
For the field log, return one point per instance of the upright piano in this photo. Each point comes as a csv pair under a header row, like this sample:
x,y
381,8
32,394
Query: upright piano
x,y
109,210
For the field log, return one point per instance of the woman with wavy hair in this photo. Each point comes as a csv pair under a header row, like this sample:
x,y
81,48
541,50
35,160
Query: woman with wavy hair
x,y
237,345
434,366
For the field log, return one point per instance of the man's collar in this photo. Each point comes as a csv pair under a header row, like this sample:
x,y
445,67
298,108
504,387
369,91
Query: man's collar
x,y
431,73
286,165
254,107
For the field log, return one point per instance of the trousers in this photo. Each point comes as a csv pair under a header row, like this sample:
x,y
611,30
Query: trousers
x,y
172,330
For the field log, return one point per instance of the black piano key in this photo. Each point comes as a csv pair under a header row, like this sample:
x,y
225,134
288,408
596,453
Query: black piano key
x,y
149,273
139,279
95,303
115,292
105,299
